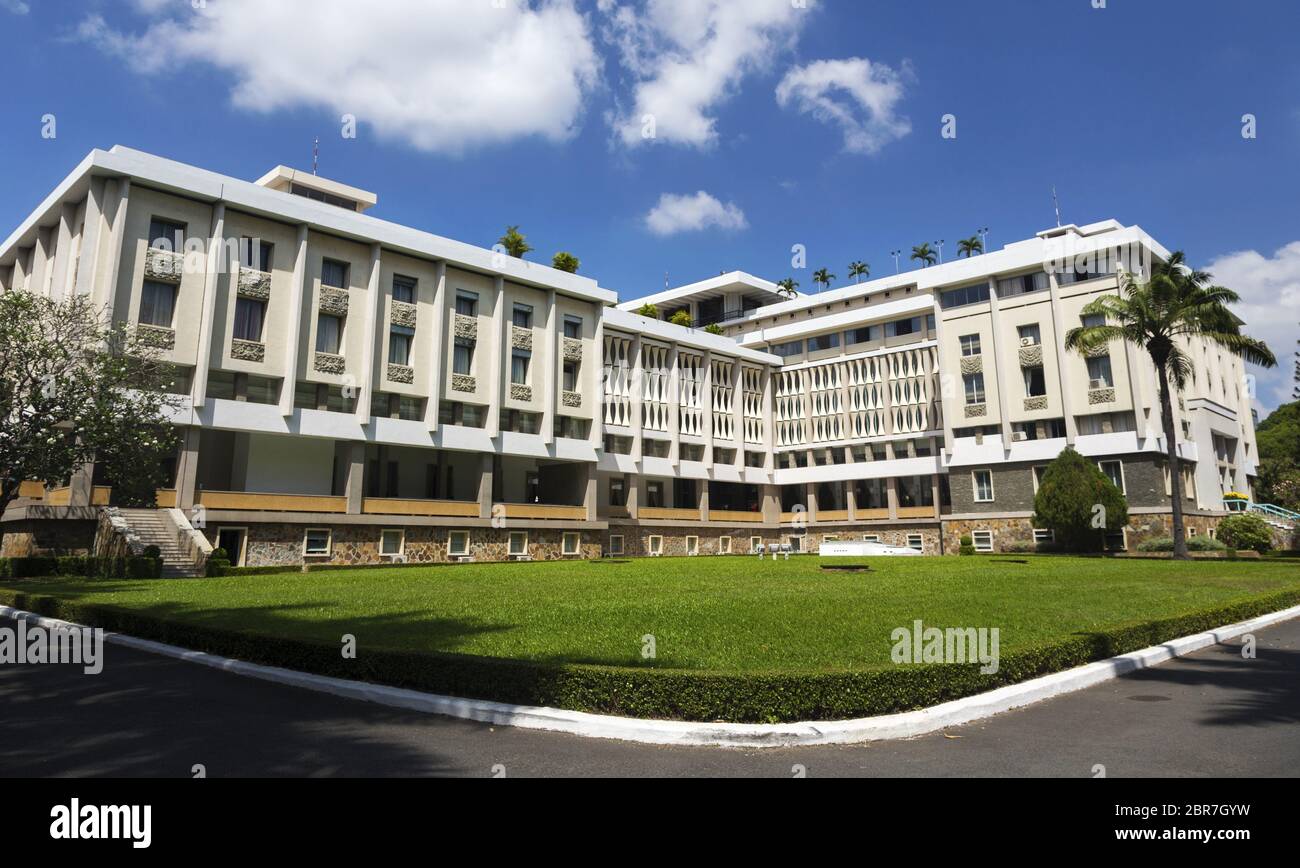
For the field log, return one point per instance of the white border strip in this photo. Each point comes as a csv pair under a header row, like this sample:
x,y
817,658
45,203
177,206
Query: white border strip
x,y
739,735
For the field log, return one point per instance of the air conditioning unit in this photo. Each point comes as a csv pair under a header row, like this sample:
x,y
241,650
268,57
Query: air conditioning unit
x,y
1097,384
464,559
1019,436
521,557
1027,342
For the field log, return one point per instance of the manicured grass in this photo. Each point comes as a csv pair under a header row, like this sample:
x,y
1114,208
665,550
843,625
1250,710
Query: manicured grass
x,y
717,615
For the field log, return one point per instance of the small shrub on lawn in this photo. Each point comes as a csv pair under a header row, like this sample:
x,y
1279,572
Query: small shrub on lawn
x,y
1194,544
967,545
1246,532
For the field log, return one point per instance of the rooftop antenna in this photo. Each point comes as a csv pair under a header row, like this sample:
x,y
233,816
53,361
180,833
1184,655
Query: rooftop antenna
x,y
984,238
315,155
940,242
666,287
895,254
1057,203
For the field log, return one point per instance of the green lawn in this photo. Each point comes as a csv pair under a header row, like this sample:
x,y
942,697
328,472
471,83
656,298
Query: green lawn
x,y
726,615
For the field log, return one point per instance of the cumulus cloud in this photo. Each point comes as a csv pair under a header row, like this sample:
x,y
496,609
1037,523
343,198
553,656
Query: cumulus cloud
x,y
17,7
1270,290
856,95
441,75
687,57
695,213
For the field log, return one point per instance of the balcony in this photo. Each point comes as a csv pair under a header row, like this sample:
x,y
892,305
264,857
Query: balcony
x,y
917,512
540,512
256,502
732,516
658,513
430,508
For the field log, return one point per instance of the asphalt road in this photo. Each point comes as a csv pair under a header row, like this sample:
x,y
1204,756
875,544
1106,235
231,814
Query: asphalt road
x,y
1212,713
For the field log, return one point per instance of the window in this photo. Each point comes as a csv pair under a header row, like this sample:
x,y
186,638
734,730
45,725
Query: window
x,y
334,273
249,313
404,289
571,376
458,544
316,542
466,303
983,485
166,234
823,342
1114,471
519,360
864,335
786,350
974,388
970,345
830,538
755,542
616,544
461,415
1093,320
1022,283
902,327
157,303
1117,541
655,545
233,540
916,542
692,546
654,494
518,543
254,253
1038,477
1044,535
1099,375
983,540
871,537
572,428
1035,382
972,294
795,543
520,422
399,345
573,327
1030,335
523,316
329,330
462,357
724,545
392,543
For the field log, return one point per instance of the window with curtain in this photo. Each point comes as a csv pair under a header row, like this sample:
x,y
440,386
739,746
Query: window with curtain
x,y
329,331
249,314
404,289
573,327
334,273
255,253
467,303
1099,374
570,376
462,358
519,361
523,316
157,303
974,384
399,345
167,234
1035,382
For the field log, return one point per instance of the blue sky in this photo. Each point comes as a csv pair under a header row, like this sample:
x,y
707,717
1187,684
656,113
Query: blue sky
x,y
1133,111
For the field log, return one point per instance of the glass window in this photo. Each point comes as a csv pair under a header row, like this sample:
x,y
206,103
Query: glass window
x,y
404,289
157,303
983,540
571,544
391,542
1093,320
1022,283
1030,335
972,294
467,303
616,544
518,543
573,327
334,273
166,234
823,342
329,331
983,485
1099,375
254,253
316,541
1114,471
462,357
399,345
1035,382
458,543
570,376
970,345
902,327
519,361
916,542
974,384
249,313
863,335
523,316
793,348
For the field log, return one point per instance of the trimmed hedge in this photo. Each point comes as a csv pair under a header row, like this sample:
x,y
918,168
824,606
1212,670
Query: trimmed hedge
x,y
1194,544
87,567
654,693
223,568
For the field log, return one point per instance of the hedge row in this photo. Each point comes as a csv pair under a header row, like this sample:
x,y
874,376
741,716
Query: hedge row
x,y
82,566
651,693
224,569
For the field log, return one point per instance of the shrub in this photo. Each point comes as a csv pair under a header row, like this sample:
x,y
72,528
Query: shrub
x,y
649,311
81,567
1067,502
1194,544
714,329
152,552
967,545
1021,547
565,261
1246,531
681,318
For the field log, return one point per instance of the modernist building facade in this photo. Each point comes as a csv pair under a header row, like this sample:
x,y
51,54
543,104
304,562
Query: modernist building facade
x,y
356,391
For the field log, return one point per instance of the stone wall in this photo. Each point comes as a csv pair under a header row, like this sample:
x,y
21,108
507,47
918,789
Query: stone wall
x,y
636,538
1009,531
47,538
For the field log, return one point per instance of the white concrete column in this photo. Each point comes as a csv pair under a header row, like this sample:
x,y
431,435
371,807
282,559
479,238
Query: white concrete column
x,y
1058,326
215,266
440,346
498,346
769,423
371,365
636,392
597,378
105,294
62,238
91,229
552,369
674,405
41,263
297,297
18,278
706,407
995,328
738,412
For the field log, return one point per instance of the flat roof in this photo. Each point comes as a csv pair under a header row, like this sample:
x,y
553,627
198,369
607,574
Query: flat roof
x,y
732,281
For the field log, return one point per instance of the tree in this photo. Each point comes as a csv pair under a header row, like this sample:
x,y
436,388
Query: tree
x,y
1246,531
649,311
1278,439
823,278
1160,316
859,270
1078,503
563,261
968,247
789,286
72,390
682,318
714,329
924,254
514,243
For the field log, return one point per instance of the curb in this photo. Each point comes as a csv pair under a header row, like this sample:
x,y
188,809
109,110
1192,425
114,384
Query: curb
x,y
681,733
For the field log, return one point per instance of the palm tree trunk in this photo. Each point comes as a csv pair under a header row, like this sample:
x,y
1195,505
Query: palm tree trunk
x,y
1175,468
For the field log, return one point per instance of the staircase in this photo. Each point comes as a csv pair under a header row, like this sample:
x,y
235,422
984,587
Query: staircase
x,y
151,528
1282,519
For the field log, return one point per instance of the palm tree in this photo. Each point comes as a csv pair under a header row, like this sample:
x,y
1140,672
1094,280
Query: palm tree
x,y
823,278
789,286
924,254
968,247
1177,305
513,242
859,270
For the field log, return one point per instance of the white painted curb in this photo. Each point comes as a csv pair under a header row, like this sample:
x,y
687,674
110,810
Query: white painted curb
x,y
739,735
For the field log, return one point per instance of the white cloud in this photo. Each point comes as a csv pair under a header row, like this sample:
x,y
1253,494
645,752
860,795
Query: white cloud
x,y
856,95
676,214
441,75
17,7
689,56
1270,293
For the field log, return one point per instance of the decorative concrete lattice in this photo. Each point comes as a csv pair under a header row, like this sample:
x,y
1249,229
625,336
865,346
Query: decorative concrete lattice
x,y
1031,357
247,351
403,314
572,350
254,284
333,301
156,336
972,364
463,383
1097,352
466,327
163,265
1101,396
1038,402
571,399
401,374
976,410
519,392
521,339
329,363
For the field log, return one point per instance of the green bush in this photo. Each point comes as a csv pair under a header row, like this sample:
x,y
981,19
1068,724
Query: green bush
x,y
967,545
1194,544
1072,497
83,567
649,311
1246,531
152,552
681,318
